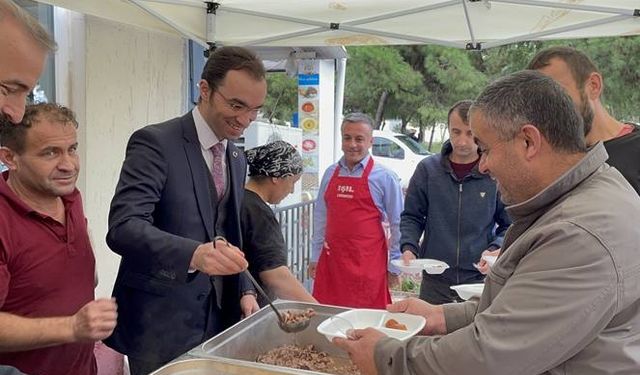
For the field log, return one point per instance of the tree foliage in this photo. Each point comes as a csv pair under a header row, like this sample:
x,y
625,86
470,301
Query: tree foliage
x,y
374,75
282,98
417,84
618,59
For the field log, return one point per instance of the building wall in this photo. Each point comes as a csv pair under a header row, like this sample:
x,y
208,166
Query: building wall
x,y
121,79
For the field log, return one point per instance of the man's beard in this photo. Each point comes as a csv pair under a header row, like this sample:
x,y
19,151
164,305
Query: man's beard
x,y
586,112
4,120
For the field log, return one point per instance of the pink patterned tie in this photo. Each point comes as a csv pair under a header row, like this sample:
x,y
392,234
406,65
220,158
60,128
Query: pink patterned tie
x,y
218,176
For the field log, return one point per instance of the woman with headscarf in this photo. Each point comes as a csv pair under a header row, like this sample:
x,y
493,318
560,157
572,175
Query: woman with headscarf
x,y
273,171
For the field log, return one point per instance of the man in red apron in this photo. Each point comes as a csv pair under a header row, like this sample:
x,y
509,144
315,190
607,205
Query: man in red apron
x,y
350,253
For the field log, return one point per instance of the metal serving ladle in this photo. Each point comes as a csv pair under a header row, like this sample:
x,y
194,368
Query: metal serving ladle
x,y
289,327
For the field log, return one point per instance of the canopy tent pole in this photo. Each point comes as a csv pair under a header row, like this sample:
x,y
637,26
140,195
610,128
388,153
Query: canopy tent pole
x,y
183,17
558,30
275,38
211,27
408,38
188,3
348,26
278,17
400,13
341,73
140,4
587,8
467,19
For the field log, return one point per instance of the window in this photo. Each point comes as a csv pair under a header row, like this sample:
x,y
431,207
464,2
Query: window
x,y
387,149
196,65
416,147
45,90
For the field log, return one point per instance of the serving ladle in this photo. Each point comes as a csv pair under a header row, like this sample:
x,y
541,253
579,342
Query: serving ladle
x,y
289,327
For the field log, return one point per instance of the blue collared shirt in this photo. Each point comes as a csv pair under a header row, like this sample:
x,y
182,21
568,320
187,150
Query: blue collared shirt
x,y
386,193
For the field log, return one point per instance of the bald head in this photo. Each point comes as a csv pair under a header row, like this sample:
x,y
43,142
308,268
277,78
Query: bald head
x,y
22,19
24,45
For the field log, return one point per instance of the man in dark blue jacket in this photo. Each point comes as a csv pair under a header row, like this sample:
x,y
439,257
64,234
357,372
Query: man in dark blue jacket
x,y
457,208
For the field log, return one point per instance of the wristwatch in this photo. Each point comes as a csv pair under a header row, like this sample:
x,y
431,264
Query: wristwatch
x,y
249,292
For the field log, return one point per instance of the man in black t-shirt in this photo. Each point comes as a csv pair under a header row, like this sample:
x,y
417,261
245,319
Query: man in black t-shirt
x,y
577,74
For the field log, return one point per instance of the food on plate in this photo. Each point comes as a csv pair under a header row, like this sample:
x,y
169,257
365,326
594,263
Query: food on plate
x,y
309,124
308,145
296,316
409,285
308,92
307,162
394,324
307,358
308,107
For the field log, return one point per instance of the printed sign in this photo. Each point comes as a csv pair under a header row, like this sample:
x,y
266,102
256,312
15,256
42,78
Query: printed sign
x,y
308,100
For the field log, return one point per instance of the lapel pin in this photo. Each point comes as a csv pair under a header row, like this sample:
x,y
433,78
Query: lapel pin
x,y
235,154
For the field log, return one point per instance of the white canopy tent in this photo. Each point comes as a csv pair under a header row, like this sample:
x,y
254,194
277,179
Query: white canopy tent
x,y
115,97
286,30
471,24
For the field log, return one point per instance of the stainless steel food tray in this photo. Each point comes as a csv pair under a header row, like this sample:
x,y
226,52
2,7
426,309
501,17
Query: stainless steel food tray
x,y
242,343
205,366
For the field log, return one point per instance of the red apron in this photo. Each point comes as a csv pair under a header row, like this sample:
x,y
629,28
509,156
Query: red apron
x,y
352,269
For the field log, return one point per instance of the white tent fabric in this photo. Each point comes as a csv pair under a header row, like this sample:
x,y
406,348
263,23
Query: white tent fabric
x,y
471,24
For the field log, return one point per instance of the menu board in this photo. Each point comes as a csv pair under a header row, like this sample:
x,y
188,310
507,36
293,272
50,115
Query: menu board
x,y
308,101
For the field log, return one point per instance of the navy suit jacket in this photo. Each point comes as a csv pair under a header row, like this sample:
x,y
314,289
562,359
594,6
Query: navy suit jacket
x,y
163,208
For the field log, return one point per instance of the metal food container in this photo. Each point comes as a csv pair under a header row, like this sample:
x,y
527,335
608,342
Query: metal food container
x,y
235,350
202,366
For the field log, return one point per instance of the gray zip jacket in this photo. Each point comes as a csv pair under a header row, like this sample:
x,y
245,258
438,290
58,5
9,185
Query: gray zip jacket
x,y
563,298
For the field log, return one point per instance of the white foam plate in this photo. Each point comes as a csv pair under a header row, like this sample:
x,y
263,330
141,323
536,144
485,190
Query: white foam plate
x,y
490,259
364,318
466,291
431,266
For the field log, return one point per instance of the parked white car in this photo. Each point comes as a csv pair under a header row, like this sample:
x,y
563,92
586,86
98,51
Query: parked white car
x,y
398,152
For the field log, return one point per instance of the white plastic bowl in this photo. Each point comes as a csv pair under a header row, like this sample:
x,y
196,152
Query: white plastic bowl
x,y
431,266
364,318
466,291
490,259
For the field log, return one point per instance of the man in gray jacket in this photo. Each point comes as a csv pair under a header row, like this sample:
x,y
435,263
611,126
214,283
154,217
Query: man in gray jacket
x,y
564,296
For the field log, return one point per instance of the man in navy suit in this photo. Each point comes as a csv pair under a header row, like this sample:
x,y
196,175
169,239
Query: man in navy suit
x,y
180,186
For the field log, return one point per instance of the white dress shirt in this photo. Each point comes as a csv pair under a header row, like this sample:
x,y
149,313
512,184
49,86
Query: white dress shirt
x,y
208,139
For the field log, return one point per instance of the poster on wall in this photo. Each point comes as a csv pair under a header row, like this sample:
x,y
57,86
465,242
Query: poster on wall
x,y
308,119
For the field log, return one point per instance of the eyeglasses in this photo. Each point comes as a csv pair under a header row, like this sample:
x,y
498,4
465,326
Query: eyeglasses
x,y
238,107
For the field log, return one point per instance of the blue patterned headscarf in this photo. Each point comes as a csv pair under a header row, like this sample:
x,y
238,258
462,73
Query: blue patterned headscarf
x,y
275,159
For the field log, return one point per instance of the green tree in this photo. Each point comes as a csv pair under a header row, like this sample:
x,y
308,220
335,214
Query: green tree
x,y
374,76
417,84
448,75
282,98
503,60
617,58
